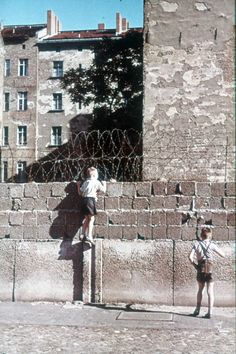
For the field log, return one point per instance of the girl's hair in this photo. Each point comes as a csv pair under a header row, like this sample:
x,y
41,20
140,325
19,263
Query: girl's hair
x,y
92,172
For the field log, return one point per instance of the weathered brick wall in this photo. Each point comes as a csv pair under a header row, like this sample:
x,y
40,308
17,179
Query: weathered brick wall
x,y
143,210
189,90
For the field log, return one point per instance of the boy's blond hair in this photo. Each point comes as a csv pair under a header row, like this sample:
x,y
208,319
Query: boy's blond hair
x,y
92,172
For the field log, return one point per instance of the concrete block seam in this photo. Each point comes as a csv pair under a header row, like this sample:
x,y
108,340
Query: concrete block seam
x,y
14,273
173,270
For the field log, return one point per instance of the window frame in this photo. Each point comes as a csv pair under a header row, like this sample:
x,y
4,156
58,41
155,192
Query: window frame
x,y
57,101
21,171
22,100
6,101
57,71
7,68
56,135
23,67
5,136
21,135
4,171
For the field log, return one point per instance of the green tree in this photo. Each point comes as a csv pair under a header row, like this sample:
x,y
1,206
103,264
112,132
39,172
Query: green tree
x,y
113,83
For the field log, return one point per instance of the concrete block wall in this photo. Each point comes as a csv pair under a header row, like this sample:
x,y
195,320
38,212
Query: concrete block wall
x,y
144,232
113,271
142,210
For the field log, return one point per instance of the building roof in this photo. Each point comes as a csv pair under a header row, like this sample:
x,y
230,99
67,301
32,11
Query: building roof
x,y
20,32
83,34
89,34
23,32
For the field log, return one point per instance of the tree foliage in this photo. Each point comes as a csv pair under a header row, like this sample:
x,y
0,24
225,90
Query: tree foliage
x,y
113,84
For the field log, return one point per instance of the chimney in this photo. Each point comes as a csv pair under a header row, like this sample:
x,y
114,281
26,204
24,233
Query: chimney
x,y
53,24
101,26
124,25
58,26
118,23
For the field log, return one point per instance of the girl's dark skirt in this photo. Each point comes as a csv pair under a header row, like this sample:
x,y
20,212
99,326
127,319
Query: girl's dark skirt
x,y
89,206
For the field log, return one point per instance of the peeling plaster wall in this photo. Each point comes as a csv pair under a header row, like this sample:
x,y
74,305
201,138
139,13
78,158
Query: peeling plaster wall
x,y
189,94
47,117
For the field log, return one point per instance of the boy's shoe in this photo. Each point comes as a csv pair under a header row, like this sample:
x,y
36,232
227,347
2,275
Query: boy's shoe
x,y
90,240
196,312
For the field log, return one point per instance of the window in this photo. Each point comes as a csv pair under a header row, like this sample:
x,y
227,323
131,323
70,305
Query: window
x,y
4,172
57,68
7,67
5,136
56,136
6,101
21,171
21,135
23,67
57,101
22,101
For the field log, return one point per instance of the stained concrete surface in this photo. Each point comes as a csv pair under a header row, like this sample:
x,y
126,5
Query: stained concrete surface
x,y
78,328
141,271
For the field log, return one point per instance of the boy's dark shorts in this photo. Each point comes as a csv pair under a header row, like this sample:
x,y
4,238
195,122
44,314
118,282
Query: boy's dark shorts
x,y
89,206
204,278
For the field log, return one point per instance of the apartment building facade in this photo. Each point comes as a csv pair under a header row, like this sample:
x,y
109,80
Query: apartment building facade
x,y
37,116
19,98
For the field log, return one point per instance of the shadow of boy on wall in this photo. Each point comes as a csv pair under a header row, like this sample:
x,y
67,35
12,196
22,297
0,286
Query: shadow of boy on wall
x,y
67,227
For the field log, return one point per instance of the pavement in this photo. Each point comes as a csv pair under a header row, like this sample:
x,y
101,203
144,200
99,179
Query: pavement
x,y
45,327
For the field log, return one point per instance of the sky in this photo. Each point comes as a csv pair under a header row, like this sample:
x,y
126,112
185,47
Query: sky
x,y
73,14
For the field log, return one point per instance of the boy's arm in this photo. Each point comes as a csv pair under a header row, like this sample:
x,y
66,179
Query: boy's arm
x,y
191,256
78,188
103,186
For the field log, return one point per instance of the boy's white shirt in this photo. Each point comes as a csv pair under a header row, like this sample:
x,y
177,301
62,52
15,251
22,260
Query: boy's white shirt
x,y
91,186
197,250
